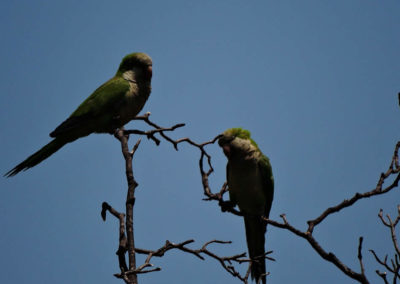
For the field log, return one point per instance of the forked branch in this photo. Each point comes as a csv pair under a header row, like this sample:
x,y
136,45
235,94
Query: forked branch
x,y
392,172
394,266
130,271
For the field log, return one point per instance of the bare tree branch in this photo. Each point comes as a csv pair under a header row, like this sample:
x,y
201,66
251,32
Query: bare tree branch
x,y
392,225
157,129
130,198
126,240
393,170
383,276
225,206
360,241
394,266
122,247
329,256
225,261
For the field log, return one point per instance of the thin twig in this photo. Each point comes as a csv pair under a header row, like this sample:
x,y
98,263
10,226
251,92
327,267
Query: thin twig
x,y
157,130
329,256
394,266
225,261
360,241
393,169
129,274
122,247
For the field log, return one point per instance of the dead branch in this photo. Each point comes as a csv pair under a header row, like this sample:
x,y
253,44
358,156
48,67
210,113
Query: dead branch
x,y
130,201
122,247
394,265
147,267
328,256
394,169
225,261
360,256
150,134
126,239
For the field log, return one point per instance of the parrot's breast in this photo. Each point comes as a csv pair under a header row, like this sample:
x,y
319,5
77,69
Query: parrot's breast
x,y
246,186
135,100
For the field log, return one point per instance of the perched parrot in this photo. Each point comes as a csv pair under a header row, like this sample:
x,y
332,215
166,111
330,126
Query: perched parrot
x,y
109,107
251,187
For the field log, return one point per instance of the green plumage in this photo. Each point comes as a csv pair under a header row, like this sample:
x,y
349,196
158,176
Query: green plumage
x,y
109,107
251,187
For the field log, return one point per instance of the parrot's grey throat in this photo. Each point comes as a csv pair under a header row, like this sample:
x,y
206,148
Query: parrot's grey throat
x,y
129,76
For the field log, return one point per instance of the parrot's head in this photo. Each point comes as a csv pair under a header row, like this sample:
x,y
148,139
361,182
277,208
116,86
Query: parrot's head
x,y
237,141
137,65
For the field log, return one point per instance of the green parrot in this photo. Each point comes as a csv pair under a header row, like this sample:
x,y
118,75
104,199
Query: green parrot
x,y
109,107
251,187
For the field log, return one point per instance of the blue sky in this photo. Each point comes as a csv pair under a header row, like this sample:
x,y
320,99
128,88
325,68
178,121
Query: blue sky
x,y
316,82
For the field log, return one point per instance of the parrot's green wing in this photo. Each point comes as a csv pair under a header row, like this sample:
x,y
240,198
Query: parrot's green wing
x,y
268,182
105,101
232,197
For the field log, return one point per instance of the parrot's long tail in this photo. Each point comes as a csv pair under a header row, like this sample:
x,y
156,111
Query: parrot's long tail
x,y
38,157
255,236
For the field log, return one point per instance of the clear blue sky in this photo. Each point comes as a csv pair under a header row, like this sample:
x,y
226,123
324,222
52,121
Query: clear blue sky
x,y
316,82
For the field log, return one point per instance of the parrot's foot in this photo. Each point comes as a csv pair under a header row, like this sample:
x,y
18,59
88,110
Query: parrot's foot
x,y
226,205
116,123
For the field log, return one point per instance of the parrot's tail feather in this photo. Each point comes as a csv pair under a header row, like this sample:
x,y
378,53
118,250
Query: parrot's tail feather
x,y
37,157
255,236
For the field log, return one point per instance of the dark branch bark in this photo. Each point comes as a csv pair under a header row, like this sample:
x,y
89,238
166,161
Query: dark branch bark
x,y
126,240
360,241
122,247
393,170
157,129
225,261
328,256
130,201
394,266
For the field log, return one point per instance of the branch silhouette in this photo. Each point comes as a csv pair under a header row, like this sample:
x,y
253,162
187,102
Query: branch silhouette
x,y
393,171
394,265
129,272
